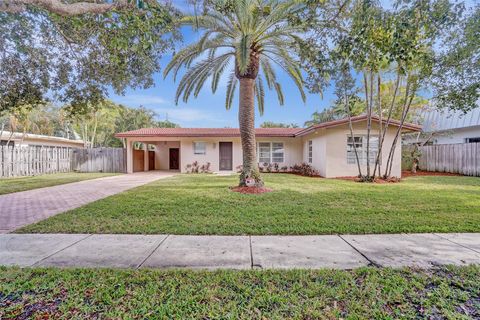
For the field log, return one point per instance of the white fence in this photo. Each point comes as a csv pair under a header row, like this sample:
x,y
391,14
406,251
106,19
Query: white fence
x,y
462,158
36,160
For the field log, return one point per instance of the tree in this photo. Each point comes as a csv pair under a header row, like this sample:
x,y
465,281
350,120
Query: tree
x,y
271,124
394,44
456,80
337,111
97,124
67,9
256,35
78,58
166,124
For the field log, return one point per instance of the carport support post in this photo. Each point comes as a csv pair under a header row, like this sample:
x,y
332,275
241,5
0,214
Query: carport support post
x,y
129,156
145,157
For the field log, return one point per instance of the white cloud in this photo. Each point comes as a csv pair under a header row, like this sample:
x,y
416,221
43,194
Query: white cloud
x,y
135,100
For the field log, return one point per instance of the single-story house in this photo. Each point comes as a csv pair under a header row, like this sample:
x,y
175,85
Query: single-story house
x,y
449,127
328,147
21,139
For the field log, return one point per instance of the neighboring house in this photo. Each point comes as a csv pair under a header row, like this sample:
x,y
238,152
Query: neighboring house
x,y
450,127
29,139
327,147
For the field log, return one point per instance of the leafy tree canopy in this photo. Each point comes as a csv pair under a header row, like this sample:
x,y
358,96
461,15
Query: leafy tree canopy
x,y
76,59
456,76
98,123
271,124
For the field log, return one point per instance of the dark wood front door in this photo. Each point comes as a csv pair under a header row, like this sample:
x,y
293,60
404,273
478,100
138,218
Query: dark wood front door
x,y
151,160
174,158
226,157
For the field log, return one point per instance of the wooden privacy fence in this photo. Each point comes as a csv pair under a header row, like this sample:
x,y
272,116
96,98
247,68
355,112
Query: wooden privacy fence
x,y
462,158
34,160
99,160
30,161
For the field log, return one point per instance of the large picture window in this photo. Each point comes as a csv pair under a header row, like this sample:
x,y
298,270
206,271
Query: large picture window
x,y
270,152
199,147
360,143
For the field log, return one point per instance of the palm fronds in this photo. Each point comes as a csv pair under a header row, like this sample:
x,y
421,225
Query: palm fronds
x,y
253,28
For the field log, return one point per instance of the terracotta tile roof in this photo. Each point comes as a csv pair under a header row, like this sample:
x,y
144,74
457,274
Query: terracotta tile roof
x,y
259,132
207,132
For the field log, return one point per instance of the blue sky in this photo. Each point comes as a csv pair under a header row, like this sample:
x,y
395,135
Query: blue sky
x,y
208,110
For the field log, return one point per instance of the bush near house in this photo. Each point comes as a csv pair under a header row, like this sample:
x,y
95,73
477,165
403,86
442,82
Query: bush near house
x,y
196,168
302,169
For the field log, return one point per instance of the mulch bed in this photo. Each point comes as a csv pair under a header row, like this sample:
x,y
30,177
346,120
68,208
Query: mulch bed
x,y
427,173
251,190
377,180
405,174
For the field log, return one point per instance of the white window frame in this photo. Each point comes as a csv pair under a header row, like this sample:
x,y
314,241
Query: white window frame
x,y
310,151
197,151
362,149
272,155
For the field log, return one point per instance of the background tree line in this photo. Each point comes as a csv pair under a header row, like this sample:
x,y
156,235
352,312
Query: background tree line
x,y
96,125
378,58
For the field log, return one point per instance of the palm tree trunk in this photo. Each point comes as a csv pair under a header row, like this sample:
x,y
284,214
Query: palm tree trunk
x,y
246,119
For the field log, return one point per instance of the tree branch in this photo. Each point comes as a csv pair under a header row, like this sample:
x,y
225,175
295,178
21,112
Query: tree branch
x,y
61,8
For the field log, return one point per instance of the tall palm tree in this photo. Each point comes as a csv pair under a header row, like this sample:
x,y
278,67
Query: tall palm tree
x,y
256,35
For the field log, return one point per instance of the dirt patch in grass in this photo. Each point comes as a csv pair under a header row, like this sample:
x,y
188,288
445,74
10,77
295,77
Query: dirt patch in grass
x,y
251,190
406,174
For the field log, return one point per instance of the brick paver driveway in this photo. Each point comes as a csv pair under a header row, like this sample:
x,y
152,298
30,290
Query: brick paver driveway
x,y
22,208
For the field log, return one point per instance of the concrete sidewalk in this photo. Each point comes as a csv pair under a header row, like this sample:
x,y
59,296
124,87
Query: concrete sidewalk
x,y
23,208
239,252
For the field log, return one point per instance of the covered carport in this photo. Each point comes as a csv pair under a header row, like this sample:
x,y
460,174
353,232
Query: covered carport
x,y
146,152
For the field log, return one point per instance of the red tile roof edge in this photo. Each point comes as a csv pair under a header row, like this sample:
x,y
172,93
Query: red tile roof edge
x,y
334,123
261,132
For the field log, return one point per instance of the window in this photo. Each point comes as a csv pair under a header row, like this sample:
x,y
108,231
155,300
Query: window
x,y
199,147
310,151
277,152
270,152
360,143
472,140
4,143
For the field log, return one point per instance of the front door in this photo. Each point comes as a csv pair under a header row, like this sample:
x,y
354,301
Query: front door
x,y
226,158
174,158
151,160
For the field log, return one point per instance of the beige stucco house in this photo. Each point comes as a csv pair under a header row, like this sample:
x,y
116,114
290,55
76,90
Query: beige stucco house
x,y
328,147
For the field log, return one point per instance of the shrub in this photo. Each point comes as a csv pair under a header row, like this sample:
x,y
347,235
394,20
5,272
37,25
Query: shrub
x,y
205,168
304,169
239,168
284,169
276,167
196,168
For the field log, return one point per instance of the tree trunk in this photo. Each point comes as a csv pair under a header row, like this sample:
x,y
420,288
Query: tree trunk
x,y
350,126
246,119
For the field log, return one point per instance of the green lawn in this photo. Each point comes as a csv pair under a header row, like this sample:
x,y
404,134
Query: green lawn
x,y
366,293
9,185
203,204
